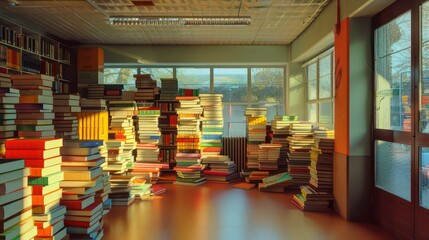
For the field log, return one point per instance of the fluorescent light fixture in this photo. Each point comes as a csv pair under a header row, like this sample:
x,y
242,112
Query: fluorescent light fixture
x,y
180,21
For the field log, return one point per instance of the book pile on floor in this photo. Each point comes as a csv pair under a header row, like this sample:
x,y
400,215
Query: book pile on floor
x,y
256,176
220,169
9,97
15,199
269,154
121,186
82,180
300,143
42,157
169,88
275,183
95,91
280,126
65,108
34,111
122,127
146,88
311,200
212,124
188,157
256,132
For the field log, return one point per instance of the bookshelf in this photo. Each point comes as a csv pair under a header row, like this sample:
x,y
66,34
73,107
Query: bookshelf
x,y
23,51
168,128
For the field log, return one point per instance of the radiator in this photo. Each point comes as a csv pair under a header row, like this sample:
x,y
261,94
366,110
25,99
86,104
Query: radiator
x,y
235,149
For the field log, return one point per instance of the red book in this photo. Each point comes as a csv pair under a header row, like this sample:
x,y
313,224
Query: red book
x,y
187,98
32,154
215,173
78,204
211,149
41,163
33,144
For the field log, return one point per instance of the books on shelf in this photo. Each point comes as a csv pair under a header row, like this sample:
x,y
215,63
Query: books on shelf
x,y
34,105
66,107
9,97
212,124
45,177
167,123
93,125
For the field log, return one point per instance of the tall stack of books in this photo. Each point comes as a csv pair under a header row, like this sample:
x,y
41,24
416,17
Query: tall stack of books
x,y
122,127
280,126
220,169
95,91
34,111
188,157
82,179
169,88
212,126
43,159
269,154
256,132
66,106
322,157
300,143
146,88
16,219
275,183
9,97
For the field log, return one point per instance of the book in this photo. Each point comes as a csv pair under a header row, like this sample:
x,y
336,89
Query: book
x,y
36,144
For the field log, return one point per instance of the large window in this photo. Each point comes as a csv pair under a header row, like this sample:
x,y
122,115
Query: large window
x,y
320,94
241,87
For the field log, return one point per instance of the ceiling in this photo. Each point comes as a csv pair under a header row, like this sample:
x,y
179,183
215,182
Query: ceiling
x,y
274,22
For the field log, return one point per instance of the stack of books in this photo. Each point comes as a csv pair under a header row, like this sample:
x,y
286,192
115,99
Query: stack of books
x,y
311,200
122,127
9,97
256,132
256,176
146,88
280,126
65,108
93,105
121,190
269,154
188,142
113,91
82,180
16,219
300,143
322,158
220,169
34,111
169,88
140,189
95,91
275,183
116,163
212,126
43,159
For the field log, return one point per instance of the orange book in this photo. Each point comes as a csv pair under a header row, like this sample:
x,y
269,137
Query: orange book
x,y
42,200
36,99
33,144
41,163
51,230
44,171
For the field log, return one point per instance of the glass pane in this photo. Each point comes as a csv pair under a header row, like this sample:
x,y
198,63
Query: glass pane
x,y
393,168
158,73
232,83
273,109
123,76
194,78
325,86
312,112
424,177
424,74
267,84
326,114
312,81
233,116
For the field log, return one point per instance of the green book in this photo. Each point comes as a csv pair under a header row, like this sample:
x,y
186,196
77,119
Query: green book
x,y
211,144
45,181
277,179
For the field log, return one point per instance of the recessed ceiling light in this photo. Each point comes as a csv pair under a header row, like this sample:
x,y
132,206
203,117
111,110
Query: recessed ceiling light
x,y
181,21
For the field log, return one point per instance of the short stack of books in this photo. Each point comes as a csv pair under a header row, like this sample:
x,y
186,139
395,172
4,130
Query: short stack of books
x,y
269,154
140,189
212,124
121,186
66,106
300,143
93,105
275,183
116,164
82,179
113,91
34,111
169,88
280,126
43,159
311,200
256,132
9,97
15,199
95,91
188,142
146,88
220,169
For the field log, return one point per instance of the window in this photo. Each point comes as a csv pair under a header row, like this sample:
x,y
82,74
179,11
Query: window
x,y
241,86
320,97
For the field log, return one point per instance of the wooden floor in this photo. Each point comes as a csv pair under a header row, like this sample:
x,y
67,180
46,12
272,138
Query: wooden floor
x,y
217,211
